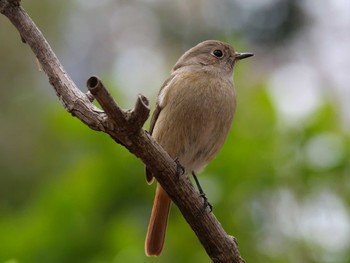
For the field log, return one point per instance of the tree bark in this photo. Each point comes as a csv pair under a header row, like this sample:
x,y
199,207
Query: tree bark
x,y
125,127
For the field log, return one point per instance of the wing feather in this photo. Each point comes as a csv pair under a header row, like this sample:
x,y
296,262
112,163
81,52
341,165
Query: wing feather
x,y
159,106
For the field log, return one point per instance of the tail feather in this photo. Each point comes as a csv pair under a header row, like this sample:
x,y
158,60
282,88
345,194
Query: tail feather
x,y
158,223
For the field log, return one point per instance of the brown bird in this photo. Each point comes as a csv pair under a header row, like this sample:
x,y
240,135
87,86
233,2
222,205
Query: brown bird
x,y
193,116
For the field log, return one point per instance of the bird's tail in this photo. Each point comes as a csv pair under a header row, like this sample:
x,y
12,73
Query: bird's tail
x,y
158,223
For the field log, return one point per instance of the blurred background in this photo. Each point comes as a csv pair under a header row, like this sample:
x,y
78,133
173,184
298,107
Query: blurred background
x,y
281,183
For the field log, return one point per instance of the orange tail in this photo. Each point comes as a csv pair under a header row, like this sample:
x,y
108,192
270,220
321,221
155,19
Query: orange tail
x,y
158,223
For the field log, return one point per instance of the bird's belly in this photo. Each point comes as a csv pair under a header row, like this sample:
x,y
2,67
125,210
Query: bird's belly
x,y
193,134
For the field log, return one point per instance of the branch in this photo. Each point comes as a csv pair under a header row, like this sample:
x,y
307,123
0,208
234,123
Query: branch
x,y
125,127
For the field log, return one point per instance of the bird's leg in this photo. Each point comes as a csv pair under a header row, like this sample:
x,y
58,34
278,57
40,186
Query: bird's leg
x,y
180,170
201,192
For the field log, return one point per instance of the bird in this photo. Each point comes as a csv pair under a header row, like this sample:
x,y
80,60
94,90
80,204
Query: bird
x,y
193,115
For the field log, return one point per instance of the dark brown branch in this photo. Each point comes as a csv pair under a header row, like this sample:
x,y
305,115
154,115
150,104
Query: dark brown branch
x,y
107,103
139,114
125,127
127,121
74,101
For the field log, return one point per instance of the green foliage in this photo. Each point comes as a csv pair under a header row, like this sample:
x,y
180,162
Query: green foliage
x,y
91,203
70,194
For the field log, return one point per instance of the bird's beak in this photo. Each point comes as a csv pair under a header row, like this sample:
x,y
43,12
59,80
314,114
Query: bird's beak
x,y
240,56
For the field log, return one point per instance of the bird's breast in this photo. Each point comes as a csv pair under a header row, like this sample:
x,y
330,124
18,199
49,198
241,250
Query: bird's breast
x,y
196,117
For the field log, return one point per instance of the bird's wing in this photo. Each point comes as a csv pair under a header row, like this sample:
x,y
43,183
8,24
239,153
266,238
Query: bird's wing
x,y
159,106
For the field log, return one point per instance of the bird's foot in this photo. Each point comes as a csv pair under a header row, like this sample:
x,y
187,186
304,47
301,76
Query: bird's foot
x,y
180,170
202,194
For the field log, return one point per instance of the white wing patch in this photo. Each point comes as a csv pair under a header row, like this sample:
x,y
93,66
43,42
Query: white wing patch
x,y
164,92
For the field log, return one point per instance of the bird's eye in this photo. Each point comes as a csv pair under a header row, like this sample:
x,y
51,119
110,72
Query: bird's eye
x,y
218,53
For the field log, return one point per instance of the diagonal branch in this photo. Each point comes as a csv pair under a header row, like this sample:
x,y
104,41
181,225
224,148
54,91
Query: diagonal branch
x,y
125,127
